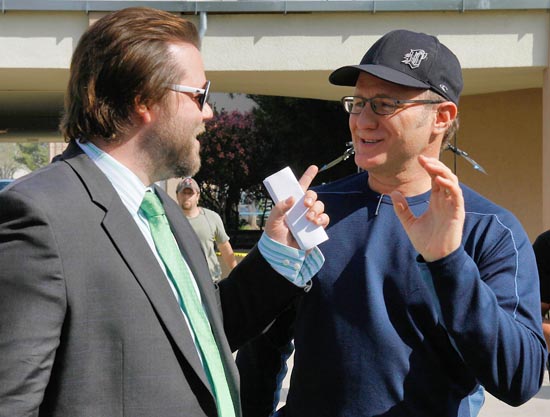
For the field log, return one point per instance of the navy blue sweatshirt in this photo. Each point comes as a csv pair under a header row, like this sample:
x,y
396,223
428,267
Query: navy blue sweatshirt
x,y
381,333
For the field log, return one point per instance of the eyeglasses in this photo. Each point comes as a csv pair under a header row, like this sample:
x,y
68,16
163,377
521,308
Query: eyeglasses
x,y
382,106
202,92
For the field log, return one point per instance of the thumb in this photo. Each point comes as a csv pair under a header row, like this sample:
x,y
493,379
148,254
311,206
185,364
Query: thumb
x,y
276,227
280,209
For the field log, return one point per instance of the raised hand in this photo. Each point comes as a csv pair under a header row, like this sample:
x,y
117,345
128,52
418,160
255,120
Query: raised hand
x,y
437,232
276,227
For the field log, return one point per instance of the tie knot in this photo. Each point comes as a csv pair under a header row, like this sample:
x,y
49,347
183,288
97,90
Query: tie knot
x,y
151,205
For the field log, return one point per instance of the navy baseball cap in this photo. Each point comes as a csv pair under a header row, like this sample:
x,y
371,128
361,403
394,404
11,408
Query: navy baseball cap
x,y
411,59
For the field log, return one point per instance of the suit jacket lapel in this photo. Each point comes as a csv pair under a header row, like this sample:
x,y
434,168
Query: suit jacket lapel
x,y
137,254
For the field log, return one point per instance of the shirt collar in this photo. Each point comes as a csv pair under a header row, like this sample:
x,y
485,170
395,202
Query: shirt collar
x,y
127,184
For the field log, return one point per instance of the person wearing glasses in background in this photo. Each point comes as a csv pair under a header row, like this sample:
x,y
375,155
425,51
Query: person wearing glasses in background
x,y
107,307
208,226
429,292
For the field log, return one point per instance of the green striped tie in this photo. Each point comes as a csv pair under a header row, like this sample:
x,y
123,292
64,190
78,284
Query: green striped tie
x,y
179,274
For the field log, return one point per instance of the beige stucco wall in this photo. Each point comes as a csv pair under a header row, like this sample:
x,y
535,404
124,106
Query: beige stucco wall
x,y
502,132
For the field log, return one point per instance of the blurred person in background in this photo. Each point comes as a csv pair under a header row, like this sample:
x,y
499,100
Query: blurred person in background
x,y
208,226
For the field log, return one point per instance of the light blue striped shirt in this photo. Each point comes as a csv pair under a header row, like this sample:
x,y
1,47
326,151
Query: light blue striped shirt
x,y
296,265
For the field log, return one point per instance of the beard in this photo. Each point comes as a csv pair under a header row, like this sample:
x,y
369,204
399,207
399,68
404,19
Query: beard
x,y
173,149
189,162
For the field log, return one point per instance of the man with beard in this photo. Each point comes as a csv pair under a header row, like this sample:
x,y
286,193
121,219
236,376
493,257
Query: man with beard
x,y
107,307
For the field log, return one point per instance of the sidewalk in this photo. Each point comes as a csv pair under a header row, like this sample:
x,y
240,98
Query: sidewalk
x,y
538,406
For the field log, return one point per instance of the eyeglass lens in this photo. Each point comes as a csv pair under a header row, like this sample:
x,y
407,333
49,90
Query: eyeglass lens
x,y
382,106
204,97
379,105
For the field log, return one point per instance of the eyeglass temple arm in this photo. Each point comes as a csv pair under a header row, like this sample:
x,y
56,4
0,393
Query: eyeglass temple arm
x,y
467,157
185,89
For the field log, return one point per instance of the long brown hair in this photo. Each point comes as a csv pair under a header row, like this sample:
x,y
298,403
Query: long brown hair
x,y
121,60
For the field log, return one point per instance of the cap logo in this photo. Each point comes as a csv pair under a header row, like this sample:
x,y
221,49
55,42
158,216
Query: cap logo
x,y
414,58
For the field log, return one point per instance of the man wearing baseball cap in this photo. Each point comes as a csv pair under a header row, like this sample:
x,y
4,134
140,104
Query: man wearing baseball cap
x,y
208,226
429,293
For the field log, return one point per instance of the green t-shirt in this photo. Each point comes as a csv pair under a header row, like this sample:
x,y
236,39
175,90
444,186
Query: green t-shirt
x,y
209,228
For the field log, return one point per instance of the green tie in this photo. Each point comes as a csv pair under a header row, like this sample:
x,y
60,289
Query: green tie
x,y
179,274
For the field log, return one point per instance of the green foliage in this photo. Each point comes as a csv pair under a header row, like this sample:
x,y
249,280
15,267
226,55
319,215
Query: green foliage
x,y
8,164
240,149
229,148
300,132
32,155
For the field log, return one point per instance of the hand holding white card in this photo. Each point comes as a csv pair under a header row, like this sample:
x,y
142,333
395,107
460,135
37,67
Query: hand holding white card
x,y
282,185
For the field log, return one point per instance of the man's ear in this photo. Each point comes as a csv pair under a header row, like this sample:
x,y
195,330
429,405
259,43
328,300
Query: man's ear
x,y
142,111
446,113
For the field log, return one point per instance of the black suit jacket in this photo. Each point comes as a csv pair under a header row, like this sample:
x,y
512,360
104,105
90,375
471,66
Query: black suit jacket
x,y
88,323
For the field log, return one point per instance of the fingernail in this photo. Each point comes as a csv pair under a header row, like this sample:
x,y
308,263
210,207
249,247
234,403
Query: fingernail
x,y
308,200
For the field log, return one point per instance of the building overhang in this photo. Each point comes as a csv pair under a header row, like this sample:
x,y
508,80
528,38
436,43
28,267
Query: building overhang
x,y
283,48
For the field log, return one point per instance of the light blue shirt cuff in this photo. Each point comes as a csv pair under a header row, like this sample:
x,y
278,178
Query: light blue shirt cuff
x,y
296,265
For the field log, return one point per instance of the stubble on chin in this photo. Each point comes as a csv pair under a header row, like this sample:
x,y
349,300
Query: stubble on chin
x,y
188,165
189,162
171,155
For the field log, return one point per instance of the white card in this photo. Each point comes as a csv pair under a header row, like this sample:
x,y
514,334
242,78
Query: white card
x,y
282,185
